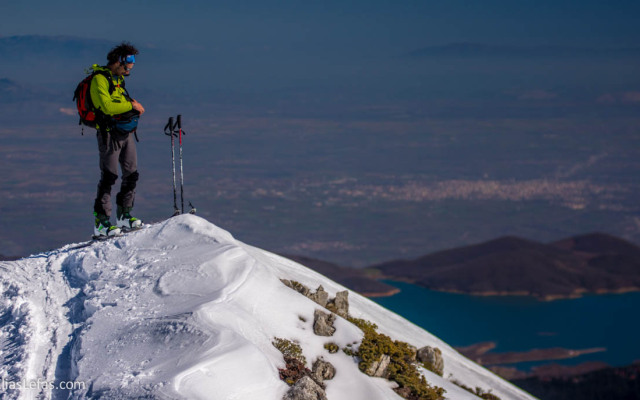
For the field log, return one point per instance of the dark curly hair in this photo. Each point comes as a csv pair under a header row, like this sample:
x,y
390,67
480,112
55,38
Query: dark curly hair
x,y
119,52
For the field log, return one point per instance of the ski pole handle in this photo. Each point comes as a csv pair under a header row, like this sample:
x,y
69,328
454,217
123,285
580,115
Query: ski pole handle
x,y
179,124
168,129
174,129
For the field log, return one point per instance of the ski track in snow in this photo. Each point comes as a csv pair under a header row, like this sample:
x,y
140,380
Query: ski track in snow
x,y
181,310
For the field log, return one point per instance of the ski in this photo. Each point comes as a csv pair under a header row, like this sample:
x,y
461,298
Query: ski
x,y
102,238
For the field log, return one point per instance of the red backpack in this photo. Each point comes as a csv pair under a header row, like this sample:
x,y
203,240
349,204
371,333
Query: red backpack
x,y
89,115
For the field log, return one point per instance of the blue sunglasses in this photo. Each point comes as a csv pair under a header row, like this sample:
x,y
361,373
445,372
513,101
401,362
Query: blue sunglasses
x,y
131,59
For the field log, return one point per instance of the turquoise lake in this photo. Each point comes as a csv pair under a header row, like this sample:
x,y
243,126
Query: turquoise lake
x,y
520,323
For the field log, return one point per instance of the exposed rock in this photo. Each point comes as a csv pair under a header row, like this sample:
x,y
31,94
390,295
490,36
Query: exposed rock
x,y
323,371
305,389
297,286
379,368
294,370
403,392
432,359
340,305
320,296
323,323
414,354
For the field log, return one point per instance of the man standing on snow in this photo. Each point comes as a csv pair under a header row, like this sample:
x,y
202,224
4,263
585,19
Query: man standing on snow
x,y
116,127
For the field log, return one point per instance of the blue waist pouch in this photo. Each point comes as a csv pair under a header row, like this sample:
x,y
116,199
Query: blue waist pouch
x,y
127,122
127,126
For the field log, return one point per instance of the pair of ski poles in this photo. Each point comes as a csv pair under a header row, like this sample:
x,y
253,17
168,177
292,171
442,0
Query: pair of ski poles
x,y
174,130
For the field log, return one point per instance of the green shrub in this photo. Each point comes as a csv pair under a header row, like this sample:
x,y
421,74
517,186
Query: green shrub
x,y
332,347
402,369
486,395
349,351
289,349
294,360
363,324
478,391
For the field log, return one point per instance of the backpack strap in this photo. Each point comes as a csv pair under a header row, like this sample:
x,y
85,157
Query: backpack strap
x,y
109,78
112,87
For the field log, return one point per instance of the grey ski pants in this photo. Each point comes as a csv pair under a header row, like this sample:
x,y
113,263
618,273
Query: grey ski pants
x,y
114,150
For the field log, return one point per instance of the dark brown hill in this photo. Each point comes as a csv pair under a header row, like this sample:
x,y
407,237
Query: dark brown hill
x,y
594,263
619,383
598,243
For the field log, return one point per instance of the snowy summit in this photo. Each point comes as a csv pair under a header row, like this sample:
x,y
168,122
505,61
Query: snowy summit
x,y
182,310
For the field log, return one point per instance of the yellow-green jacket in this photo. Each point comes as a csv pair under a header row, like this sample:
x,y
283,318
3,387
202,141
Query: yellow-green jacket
x,y
109,103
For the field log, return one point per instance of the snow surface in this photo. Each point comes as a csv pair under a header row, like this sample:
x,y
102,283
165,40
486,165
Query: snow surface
x,y
182,310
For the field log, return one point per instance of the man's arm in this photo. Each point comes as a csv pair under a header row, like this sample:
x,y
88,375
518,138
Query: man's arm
x,y
103,101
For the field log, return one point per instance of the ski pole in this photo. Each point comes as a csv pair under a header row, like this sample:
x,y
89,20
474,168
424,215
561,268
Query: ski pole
x,y
179,123
169,130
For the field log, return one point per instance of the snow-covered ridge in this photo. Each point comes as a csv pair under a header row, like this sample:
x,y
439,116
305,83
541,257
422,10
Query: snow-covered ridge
x,y
183,310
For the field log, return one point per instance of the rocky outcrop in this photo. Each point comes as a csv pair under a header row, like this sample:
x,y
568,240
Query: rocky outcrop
x,y
431,357
322,371
377,356
311,386
340,305
305,389
320,296
323,323
297,286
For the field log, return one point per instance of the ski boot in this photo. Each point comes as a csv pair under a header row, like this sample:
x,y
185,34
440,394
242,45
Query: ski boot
x,y
126,221
102,228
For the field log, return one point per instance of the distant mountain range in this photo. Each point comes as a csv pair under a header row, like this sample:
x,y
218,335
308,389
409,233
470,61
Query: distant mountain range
x,y
592,263
19,48
469,49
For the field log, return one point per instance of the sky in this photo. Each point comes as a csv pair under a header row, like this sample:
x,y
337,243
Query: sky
x,y
250,45
334,90
369,24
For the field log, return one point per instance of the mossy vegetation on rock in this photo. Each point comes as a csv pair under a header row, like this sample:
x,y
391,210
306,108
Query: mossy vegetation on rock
x,y
377,355
331,347
295,362
289,349
487,395
401,367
